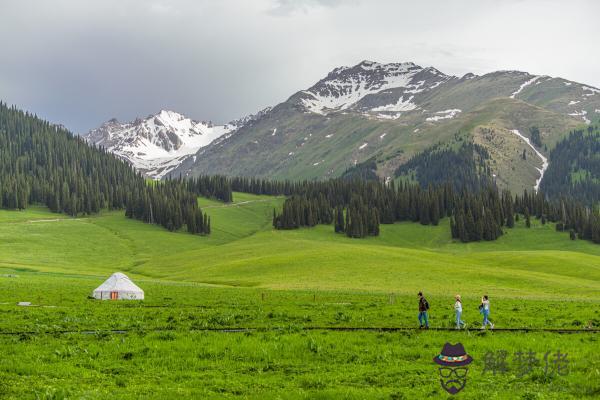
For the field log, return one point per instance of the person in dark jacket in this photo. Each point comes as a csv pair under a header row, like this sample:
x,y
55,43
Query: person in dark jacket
x,y
423,309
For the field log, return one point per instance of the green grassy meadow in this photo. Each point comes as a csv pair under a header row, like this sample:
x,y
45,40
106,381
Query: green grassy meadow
x,y
290,288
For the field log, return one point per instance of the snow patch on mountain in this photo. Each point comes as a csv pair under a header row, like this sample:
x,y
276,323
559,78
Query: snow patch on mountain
x,y
524,85
582,114
593,91
401,105
447,114
389,116
540,155
344,87
159,143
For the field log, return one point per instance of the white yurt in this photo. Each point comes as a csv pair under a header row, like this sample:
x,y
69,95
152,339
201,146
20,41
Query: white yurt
x,y
118,287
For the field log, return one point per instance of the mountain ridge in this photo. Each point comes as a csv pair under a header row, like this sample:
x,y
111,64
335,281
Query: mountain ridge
x,y
355,114
389,113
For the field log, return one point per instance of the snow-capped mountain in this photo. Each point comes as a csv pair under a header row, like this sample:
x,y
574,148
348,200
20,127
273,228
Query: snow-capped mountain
x,y
378,116
384,89
159,143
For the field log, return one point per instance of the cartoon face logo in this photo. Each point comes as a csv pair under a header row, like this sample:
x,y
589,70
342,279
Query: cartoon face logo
x,y
453,362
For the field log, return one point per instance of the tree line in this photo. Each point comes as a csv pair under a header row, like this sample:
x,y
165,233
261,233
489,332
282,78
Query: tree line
x,y
464,165
357,207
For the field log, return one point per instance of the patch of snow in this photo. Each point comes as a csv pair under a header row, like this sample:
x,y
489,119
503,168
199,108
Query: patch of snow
x,y
581,114
317,163
328,136
593,91
417,88
400,105
573,102
447,114
389,116
597,111
382,135
540,155
291,153
342,89
274,132
567,83
416,130
363,146
524,85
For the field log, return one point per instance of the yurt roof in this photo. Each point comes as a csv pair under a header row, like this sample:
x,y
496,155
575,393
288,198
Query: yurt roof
x,y
118,282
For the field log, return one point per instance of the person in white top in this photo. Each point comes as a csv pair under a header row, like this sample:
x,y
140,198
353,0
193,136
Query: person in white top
x,y
458,310
484,308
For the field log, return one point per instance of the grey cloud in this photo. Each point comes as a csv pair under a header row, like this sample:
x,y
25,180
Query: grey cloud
x,y
288,7
82,62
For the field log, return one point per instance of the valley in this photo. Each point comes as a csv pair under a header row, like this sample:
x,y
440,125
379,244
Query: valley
x,y
220,200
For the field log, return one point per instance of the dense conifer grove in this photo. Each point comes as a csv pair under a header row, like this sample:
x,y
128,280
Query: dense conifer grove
x,y
358,207
465,167
574,170
41,163
366,170
213,187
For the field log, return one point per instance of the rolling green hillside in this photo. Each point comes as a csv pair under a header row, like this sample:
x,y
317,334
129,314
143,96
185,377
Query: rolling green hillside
x,y
243,250
300,291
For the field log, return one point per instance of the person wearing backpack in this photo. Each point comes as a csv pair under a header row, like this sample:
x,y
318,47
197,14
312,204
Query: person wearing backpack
x,y
423,309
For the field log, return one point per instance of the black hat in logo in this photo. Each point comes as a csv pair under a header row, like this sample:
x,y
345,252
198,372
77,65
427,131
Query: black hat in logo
x,y
453,355
453,361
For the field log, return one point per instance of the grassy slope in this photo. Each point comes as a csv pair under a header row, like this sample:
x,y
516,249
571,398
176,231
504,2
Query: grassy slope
x,y
244,251
167,354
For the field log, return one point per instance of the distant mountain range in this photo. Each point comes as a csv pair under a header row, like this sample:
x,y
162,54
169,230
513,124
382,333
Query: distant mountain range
x,y
383,114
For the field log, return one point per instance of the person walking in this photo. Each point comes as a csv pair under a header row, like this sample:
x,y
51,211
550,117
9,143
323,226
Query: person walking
x,y
458,311
484,308
423,309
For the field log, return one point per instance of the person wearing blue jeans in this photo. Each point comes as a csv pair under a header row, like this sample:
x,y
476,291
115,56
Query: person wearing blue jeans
x,y
423,308
485,310
458,311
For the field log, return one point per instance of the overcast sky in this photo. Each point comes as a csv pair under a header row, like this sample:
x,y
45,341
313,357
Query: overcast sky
x,y
80,63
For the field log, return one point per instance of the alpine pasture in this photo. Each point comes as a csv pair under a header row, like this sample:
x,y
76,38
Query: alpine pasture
x,y
250,312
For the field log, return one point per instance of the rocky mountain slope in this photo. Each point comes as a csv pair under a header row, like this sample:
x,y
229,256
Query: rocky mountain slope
x,y
391,112
158,143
